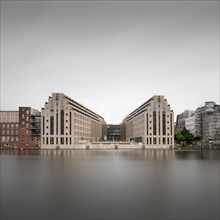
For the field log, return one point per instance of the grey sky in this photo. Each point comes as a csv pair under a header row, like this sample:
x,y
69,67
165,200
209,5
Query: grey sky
x,y
110,56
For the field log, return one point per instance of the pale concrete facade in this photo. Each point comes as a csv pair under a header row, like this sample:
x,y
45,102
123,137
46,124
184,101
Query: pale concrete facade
x,y
65,122
151,124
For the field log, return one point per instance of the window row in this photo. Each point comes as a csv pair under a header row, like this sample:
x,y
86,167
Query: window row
x,y
9,132
160,141
8,139
8,126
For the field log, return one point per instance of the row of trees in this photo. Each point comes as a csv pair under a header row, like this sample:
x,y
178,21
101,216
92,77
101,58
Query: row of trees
x,y
186,137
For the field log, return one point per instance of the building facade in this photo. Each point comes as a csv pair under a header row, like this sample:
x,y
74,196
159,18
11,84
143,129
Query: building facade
x,y
152,124
9,127
65,122
113,132
20,128
190,124
180,120
29,128
208,123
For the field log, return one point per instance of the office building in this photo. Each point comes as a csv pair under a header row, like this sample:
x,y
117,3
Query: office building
x,y
113,132
208,123
180,120
65,122
152,124
190,124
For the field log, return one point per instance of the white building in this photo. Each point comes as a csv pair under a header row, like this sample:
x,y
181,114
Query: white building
x,y
152,123
65,122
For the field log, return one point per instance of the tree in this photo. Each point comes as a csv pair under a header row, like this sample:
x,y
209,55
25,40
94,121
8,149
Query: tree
x,y
184,136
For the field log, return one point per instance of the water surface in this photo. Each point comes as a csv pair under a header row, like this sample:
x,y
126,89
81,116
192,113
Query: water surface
x,y
110,184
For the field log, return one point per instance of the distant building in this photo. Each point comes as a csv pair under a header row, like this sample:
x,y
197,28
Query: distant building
x,y
21,128
9,123
190,124
29,127
180,120
113,132
65,122
152,124
208,122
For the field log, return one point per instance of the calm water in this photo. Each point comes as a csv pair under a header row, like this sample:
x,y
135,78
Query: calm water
x,y
110,184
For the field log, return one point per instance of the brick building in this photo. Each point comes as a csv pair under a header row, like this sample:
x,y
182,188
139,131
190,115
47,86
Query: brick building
x,y
20,129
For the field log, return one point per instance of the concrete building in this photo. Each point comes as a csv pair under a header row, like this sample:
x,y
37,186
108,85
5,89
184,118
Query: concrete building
x,y
113,132
207,120
180,120
152,124
65,122
20,128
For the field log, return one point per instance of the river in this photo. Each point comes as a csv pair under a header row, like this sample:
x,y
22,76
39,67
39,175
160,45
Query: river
x,y
110,184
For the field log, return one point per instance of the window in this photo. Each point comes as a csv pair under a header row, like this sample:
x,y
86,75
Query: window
x,y
164,140
154,123
62,140
155,140
51,125
62,122
51,140
163,123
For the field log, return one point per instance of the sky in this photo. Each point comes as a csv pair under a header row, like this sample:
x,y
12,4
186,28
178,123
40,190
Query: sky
x,y
110,56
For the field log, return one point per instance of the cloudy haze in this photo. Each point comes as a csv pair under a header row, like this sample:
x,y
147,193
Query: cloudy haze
x,y
110,56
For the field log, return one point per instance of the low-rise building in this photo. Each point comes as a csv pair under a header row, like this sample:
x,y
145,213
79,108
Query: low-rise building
x,y
20,128
9,126
113,132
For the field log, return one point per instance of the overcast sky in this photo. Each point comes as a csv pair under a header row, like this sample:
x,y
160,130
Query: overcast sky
x,y
110,56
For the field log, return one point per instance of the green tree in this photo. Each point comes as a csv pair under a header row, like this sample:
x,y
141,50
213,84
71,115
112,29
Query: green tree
x,y
184,136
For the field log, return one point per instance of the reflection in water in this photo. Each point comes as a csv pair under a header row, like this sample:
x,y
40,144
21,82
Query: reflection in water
x,y
110,184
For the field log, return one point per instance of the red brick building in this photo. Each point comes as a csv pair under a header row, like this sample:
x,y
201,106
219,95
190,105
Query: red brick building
x,y
20,129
